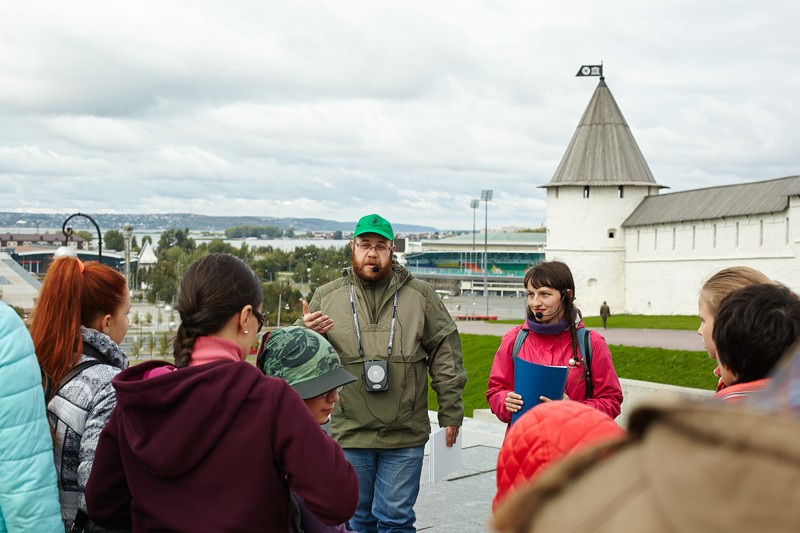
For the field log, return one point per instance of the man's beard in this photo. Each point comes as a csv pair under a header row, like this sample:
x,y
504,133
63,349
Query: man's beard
x,y
364,271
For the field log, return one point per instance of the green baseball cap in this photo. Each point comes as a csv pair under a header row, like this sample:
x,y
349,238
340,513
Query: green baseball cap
x,y
374,224
305,359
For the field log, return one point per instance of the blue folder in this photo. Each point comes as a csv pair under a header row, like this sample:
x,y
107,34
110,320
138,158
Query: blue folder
x,y
532,381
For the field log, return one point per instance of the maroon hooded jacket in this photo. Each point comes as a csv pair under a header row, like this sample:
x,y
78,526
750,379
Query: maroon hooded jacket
x,y
209,448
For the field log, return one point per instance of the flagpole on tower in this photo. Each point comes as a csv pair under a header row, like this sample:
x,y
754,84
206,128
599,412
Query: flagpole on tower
x,y
591,70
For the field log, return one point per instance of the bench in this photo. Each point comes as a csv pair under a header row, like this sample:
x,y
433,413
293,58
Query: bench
x,y
476,317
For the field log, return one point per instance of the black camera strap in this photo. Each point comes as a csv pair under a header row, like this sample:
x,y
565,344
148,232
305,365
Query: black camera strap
x,y
354,306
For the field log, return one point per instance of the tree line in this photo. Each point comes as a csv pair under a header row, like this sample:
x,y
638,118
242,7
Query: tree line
x,y
283,273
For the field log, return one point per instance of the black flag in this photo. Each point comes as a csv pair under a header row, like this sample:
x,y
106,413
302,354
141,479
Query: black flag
x,y
590,70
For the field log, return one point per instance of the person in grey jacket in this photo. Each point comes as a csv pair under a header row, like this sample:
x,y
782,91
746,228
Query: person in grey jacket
x,y
391,331
81,315
28,488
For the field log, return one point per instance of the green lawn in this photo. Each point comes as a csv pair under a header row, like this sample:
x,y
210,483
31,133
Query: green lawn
x,y
690,322
673,367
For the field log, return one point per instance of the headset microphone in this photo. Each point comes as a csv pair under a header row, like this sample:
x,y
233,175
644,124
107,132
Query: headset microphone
x,y
539,315
376,268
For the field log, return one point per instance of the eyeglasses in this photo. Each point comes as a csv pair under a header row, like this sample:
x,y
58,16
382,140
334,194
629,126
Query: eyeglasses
x,y
366,247
260,319
329,395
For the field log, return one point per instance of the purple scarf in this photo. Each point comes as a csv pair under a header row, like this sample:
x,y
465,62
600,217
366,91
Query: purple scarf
x,y
546,329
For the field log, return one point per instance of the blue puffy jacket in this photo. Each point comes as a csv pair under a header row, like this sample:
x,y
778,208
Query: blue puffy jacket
x,y
28,486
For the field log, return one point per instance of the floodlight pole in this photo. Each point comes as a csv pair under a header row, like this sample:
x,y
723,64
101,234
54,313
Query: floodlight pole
x,y
486,196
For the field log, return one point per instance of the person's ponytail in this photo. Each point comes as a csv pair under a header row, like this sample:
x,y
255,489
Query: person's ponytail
x,y
56,319
73,294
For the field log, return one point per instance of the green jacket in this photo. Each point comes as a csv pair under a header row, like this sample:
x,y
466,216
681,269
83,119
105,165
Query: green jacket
x,y
425,339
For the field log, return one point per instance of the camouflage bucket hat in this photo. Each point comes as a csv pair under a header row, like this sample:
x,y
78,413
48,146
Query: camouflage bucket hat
x,y
305,359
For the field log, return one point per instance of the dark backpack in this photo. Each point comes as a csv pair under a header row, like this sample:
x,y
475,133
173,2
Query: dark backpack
x,y
584,344
81,519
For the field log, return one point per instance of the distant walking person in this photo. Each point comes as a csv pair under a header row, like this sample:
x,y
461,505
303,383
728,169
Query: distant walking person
x,y
605,312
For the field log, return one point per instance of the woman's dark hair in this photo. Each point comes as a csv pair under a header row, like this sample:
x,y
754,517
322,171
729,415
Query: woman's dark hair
x,y
212,290
754,327
556,275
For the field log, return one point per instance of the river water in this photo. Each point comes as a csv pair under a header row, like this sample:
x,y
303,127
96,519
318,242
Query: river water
x,y
287,245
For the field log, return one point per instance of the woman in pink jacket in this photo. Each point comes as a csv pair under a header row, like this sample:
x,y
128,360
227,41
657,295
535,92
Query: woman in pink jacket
x,y
553,324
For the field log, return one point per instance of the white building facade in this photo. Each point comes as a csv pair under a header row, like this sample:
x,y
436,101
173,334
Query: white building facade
x,y
649,253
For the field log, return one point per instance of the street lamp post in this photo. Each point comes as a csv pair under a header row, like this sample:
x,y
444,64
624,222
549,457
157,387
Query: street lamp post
x,y
474,204
279,309
127,232
68,231
486,196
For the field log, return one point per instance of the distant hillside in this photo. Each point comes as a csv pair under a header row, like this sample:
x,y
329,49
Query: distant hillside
x,y
184,220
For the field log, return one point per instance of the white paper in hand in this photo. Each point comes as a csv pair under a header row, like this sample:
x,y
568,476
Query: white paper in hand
x,y
443,460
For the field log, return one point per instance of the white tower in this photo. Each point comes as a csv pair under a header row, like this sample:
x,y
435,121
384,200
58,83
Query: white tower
x,y
602,178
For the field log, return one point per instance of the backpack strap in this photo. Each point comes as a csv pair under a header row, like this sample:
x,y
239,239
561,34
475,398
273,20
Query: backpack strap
x,y
522,334
585,346
47,385
69,376
81,521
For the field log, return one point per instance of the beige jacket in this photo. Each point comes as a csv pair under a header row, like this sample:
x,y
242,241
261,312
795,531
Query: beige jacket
x,y
705,467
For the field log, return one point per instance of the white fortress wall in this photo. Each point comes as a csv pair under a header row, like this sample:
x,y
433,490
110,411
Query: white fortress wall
x,y
666,264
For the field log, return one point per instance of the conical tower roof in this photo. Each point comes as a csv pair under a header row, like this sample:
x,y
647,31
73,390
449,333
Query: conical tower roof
x,y
603,150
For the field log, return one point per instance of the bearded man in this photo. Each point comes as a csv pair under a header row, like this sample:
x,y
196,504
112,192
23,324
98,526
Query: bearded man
x,y
391,331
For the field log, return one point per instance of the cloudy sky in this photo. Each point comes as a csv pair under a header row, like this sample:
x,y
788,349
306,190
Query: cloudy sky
x,y
337,109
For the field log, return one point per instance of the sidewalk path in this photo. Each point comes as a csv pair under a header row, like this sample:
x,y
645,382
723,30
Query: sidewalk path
x,y
462,502
651,338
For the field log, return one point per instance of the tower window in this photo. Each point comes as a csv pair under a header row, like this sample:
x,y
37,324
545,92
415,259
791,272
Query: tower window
x,y
586,192
622,191
786,238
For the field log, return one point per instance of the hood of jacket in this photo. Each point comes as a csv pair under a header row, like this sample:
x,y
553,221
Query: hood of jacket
x,y
100,346
172,420
545,434
685,467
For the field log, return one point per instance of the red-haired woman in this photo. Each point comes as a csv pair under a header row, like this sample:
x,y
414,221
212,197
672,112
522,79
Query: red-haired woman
x,y
81,315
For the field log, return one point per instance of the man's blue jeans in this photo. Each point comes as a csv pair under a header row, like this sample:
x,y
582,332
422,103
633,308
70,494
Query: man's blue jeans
x,y
388,485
